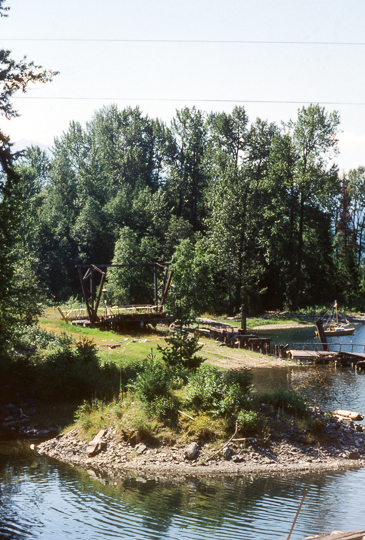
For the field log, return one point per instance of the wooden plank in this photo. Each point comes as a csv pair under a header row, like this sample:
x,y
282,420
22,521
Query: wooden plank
x,y
298,353
62,315
356,355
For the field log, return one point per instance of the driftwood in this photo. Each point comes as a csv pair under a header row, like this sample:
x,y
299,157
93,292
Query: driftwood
x,y
188,415
226,444
111,345
351,415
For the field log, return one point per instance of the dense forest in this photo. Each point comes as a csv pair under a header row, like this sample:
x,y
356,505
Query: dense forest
x,y
244,212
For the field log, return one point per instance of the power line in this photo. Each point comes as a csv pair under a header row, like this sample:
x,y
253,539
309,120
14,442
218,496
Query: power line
x,y
202,41
272,101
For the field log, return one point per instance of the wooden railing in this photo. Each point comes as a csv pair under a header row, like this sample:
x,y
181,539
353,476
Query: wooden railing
x,y
342,347
81,313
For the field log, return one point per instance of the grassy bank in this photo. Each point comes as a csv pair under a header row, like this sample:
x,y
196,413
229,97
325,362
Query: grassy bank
x,y
97,376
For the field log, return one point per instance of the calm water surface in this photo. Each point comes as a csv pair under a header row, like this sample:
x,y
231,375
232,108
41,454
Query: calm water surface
x,y
40,498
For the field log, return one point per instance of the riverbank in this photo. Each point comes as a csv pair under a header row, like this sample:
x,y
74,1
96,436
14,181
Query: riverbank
x,y
341,445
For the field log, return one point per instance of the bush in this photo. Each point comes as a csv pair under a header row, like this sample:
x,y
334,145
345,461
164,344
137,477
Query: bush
x,y
33,336
249,422
181,351
287,401
242,377
165,408
211,390
152,382
73,371
205,428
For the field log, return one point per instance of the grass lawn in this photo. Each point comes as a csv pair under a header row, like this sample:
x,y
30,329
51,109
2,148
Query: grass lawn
x,y
136,345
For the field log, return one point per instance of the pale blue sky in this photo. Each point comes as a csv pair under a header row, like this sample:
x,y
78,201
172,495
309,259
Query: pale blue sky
x,y
193,71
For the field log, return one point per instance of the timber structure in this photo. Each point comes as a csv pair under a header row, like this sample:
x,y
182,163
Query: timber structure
x,y
312,353
321,353
92,279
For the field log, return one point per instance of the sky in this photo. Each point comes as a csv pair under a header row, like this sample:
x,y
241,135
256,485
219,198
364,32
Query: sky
x,y
163,55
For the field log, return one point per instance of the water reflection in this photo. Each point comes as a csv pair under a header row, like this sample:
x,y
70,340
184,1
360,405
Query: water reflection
x,y
43,499
56,501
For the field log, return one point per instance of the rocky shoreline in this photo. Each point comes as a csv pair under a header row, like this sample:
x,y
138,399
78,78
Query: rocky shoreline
x,y
251,455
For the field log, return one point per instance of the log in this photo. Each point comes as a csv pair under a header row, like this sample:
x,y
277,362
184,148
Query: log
x,y
351,415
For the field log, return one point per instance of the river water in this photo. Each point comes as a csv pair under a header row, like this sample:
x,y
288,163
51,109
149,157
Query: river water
x,y
40,498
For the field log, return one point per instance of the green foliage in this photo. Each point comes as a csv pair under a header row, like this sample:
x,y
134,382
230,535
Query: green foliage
x,y
165,408
34,337
241,377
130,285
128,189
61,371
181,351
196,288
18,305
152,382
217,392
248,421
206,428
288,401
74,371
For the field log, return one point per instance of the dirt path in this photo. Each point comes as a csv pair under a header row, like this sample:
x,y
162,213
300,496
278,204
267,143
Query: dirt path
x,y
235,358
283,326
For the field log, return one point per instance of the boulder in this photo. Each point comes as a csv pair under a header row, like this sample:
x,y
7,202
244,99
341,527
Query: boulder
x,y
227,452
96,445
140,448
191,451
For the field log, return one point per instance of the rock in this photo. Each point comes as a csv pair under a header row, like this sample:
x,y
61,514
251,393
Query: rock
x,y
353,455
140,448
191,451
227,452
96,445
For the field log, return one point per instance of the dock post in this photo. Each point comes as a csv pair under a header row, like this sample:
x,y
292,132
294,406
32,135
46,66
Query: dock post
x,y
243,319
321,334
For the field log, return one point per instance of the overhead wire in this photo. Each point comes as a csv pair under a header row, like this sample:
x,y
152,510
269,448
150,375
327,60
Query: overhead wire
x,y
202,41
271,101
192,41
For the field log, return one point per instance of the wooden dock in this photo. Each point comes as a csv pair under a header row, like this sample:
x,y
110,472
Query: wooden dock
x,y
340,358
235,337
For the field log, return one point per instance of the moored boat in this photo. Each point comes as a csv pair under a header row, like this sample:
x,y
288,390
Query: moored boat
x,y
332,327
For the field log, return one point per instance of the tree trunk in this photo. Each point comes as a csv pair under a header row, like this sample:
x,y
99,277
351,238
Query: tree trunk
x,y
300,254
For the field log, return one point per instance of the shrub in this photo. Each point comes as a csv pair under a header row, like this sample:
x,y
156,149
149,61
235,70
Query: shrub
x,y
33,336
287,401
249,422
211,390
242,377
73,371
165,408
205,428
181,351
152,382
